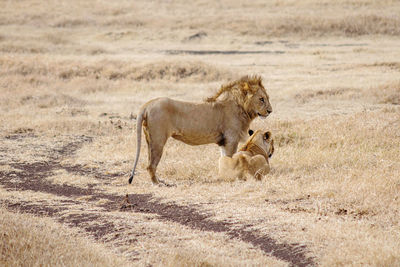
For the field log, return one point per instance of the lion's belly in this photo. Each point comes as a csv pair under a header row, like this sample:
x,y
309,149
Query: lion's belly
x,y
195,124
196,138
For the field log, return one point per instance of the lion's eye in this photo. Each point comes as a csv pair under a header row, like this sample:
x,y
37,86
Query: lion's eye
x,y
262,99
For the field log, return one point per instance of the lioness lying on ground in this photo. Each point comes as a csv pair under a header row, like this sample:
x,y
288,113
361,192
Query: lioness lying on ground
x,y
251,159
223,122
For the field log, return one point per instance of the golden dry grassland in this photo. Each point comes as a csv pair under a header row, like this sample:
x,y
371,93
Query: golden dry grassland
x,y
73,75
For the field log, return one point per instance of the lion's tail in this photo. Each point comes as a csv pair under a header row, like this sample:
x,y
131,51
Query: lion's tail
x,y
139,122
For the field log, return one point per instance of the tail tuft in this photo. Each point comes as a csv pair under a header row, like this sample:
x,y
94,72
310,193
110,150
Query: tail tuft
x,y
130,178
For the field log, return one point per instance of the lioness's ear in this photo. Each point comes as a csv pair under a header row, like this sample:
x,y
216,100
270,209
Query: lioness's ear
x,y
251,132
267,135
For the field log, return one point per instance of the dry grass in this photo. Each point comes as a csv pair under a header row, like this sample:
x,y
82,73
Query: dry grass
x,y
71,70
30,241
67,70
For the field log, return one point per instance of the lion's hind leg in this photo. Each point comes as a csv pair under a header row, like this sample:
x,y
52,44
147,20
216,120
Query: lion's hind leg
x,y
155,145
155,153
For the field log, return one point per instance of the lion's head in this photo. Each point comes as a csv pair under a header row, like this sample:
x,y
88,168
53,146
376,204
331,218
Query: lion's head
x,y
259,143
249,93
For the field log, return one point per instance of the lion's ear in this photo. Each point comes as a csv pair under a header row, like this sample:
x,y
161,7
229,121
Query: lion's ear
x,y
251,132
267,135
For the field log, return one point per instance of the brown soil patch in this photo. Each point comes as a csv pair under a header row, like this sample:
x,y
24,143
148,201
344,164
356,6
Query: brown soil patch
x,y
189,216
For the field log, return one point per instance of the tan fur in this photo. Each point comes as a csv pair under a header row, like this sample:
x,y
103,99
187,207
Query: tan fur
x,y
251,160
221,121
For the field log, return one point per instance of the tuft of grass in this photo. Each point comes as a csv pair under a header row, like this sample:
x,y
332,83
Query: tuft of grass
x,y
389,93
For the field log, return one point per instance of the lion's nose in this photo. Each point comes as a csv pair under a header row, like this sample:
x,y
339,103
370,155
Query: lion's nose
x,y
269,111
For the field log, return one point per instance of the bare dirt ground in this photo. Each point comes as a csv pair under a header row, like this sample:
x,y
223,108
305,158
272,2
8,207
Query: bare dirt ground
x,y
73,75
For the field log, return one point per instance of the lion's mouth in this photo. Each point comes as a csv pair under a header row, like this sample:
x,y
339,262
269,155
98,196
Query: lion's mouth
x,y
262,116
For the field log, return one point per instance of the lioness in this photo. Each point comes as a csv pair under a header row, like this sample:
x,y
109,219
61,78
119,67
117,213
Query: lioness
x,y
251,159
221,121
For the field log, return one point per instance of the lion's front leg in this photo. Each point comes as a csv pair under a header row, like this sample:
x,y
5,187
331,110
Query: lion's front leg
x,y
229,149
228,168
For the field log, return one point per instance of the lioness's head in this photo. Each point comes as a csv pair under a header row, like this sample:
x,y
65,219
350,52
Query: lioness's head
x,y
259,143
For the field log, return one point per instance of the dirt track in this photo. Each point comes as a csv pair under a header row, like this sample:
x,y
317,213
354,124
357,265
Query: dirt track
x,y
100,224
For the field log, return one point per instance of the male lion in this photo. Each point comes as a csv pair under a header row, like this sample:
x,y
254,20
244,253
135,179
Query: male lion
x,y
251,159
222,121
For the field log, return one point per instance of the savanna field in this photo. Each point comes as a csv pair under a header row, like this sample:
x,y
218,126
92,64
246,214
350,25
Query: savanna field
x,y
73,75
